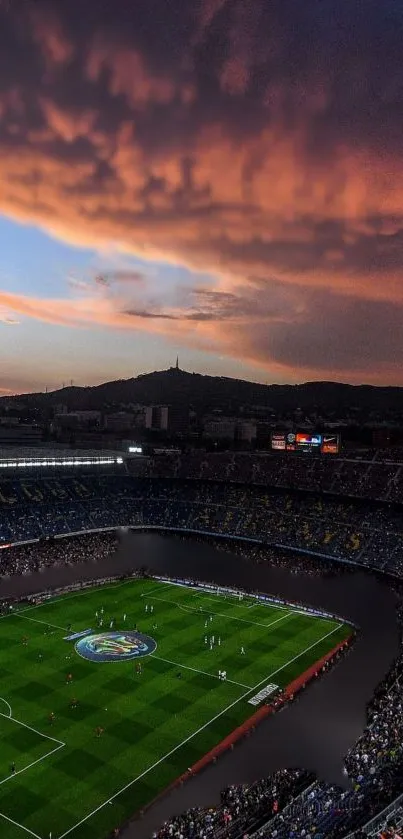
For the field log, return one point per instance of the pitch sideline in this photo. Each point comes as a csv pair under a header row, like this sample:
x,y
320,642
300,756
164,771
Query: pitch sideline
x,y
221,615
17,824
60,745
202,728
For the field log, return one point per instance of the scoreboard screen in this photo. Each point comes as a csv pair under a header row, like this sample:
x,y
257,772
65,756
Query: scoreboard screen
x,y
278,442
330,444
308,440
305,441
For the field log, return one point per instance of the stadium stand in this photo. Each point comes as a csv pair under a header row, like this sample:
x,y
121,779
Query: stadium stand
x,y
386,825
372,474
241,807
27,559
320,810
344,509
349,529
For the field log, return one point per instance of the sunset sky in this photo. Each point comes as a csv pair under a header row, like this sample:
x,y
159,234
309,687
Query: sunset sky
x,y
218,179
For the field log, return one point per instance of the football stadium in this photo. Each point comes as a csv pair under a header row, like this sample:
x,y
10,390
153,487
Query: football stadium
x,y
114,690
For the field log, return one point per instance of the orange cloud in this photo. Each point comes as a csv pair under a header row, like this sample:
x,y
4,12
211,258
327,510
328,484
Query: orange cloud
x,y
67,125
211,138
130,77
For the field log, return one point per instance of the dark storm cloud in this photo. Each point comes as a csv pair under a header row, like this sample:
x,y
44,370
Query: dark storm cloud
x,y
248,139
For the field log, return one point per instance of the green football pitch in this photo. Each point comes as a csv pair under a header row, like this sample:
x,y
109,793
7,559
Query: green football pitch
x,y
62,778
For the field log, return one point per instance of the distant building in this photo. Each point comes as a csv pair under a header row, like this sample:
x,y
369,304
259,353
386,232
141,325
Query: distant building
x,y
220,429
174,419
79,419
178,419
9,421
120,421
20,435
157,417
246,432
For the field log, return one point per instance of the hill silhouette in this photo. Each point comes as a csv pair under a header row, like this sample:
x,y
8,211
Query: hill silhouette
x,y
204,392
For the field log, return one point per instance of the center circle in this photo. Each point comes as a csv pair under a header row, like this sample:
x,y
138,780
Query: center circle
x,y
115,646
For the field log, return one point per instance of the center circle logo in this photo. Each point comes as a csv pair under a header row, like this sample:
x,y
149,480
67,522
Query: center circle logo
x,y
115,646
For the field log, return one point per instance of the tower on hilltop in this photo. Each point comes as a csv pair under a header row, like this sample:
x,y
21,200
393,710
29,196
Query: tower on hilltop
x,y
177,363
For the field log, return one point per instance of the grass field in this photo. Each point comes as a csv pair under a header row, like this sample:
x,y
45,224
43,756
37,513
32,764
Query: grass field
x,y
70,782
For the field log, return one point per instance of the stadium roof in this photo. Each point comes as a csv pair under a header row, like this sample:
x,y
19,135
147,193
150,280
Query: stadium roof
x,y
23,452
21,456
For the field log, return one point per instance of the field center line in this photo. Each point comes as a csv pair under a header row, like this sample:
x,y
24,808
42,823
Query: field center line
x,y
30,765
27,830
202,611
8,706
202,672
213,719
35,730
44,623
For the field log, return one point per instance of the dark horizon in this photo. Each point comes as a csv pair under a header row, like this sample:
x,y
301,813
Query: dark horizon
x,y
354,386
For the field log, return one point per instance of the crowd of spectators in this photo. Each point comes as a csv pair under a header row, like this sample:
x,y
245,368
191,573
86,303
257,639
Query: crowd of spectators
x,y
265,500
26,559
365,532
375,768
242,806
387,825
370,474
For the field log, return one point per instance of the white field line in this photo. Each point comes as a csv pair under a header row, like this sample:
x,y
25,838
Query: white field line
x,y
231,600
35,730
195,670
220,614
8,706
60,745
44,623
160,587
241,605
235,596
258,602
34,762
213,719
31,832
63,597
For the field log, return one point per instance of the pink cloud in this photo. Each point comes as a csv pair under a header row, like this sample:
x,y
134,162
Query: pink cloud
x,y
211,138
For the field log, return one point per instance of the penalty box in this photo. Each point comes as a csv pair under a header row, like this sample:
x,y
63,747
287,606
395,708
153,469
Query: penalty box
x,y
22,747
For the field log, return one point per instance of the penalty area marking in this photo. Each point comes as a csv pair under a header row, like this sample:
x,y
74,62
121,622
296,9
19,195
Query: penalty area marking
x,y
202,728
17,824
60,744
221,615
232,599
203,589
258,602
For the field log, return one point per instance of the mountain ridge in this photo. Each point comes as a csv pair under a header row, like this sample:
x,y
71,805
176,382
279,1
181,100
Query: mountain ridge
x,y
174,386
